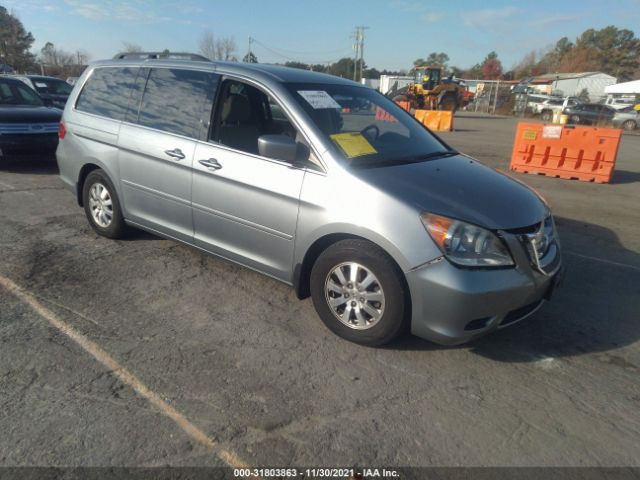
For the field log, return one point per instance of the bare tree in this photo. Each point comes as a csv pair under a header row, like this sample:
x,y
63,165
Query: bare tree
x,y
129,47
82,57
207,45
217,49
58,62
225,49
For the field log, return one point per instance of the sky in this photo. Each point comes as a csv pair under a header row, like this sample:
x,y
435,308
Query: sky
x,y
399,31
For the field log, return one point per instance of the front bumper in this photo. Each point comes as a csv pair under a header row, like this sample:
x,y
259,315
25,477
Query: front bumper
x,y
28,144
451,305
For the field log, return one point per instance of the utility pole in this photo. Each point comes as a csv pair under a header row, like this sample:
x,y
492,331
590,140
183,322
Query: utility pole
x,y
358,48
362,29
249,51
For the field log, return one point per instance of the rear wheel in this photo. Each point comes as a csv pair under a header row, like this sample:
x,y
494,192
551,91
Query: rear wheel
x,y
358,292
102,206
629,125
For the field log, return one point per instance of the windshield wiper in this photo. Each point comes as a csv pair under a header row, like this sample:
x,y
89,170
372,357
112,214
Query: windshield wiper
x,y
421,158
406,160
434,155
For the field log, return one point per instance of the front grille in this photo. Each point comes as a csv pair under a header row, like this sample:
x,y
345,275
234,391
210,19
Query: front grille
x,y
540,243
524,230
27,128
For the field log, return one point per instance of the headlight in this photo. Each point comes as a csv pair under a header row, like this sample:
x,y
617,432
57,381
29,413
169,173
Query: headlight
x,y
465,244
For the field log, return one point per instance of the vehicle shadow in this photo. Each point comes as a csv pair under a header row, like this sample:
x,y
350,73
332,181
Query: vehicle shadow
x,y
624,176
135,234
595,310
32,166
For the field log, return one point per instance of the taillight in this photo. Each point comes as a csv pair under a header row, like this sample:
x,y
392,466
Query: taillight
x,y
62,130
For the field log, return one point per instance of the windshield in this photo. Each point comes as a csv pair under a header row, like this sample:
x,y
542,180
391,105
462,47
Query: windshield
x,y
52,86
364,127
18,94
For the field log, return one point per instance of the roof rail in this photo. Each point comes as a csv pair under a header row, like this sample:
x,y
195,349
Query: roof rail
x,y
160,56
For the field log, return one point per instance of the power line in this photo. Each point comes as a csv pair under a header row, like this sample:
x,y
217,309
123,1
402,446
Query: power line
x,y
286,54
300,52
286,57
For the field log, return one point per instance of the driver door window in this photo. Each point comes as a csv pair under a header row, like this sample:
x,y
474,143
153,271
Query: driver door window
x,y
245,114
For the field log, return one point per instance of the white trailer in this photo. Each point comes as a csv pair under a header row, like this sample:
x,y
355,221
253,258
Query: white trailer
x,y
391,82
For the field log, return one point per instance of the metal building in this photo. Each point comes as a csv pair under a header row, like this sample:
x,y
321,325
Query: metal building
x,y
571,84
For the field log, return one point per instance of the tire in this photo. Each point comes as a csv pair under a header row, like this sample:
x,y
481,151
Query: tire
x,y
629,125
102,206
574,119
546,115
379,310
449,103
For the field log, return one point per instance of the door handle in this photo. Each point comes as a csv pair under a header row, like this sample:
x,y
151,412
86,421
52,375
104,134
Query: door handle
x,y
175,153
211,163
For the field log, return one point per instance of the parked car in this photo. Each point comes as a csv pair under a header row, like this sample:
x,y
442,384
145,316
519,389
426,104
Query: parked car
x,y
620,103
628,118
547,108
377,219
27,126
590,113
49,88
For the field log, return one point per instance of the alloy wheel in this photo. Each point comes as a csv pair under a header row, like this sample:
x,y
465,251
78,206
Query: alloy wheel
x,y
100,205
354,295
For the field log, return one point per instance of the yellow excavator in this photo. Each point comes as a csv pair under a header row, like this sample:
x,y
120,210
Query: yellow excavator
x,y
430,91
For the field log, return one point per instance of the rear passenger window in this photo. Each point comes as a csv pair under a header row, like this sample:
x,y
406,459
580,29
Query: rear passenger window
x,y
178,101
106,93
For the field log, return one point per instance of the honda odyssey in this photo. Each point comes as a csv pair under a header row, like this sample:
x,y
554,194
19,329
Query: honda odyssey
x,y
314,180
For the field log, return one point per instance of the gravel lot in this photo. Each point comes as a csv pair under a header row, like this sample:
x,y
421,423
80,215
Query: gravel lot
x,y
250,366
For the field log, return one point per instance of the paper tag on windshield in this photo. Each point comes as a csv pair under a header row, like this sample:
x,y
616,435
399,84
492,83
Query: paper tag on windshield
x,y
353,144
319,99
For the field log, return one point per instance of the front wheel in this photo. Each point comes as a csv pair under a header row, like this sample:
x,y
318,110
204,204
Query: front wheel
x,y
546,115
449,103
629,125
358,292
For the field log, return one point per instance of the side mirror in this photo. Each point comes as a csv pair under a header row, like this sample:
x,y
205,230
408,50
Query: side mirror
x,y
281,147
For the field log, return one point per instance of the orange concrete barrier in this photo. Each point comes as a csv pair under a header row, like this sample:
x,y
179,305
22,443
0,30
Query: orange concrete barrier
x,y
384,116
581,153
436,120
404,105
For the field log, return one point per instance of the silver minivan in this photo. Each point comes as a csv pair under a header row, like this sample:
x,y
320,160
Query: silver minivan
x,y
316,181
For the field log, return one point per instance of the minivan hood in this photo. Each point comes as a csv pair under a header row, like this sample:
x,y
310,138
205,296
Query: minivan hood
x,y
29,114
461,188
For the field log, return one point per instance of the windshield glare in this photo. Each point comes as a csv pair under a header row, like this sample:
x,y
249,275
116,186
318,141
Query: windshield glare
x,y
364,127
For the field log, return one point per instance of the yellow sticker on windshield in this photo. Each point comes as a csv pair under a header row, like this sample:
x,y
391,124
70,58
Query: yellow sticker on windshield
x,y
353,144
